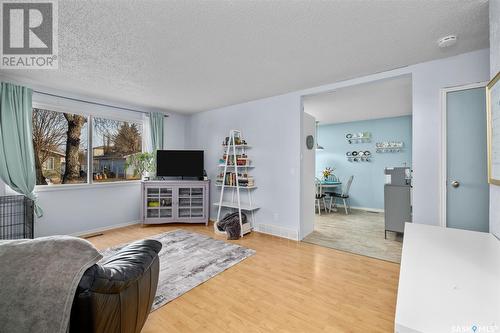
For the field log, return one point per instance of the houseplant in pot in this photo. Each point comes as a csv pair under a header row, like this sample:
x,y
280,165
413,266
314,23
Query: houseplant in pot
x,y
143,164
328,174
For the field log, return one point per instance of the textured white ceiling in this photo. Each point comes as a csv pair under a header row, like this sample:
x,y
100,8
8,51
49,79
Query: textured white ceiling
x,y
380,99
190,56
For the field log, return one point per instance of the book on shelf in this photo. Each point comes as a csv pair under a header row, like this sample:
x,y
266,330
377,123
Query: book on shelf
x,y
230,179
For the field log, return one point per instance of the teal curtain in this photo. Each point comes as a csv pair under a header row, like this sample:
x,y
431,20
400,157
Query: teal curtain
x,y
17,158
156,125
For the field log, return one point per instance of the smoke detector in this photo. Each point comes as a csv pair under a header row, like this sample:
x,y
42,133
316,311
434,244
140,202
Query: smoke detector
x,y
447,41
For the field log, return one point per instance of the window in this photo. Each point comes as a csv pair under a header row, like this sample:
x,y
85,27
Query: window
x,y
48,165
113,142
60,144
62,148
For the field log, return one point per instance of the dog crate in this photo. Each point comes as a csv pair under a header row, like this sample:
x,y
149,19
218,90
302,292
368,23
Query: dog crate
x,y
16,217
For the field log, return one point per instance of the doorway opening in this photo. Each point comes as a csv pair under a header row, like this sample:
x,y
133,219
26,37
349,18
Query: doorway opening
x,y
362,166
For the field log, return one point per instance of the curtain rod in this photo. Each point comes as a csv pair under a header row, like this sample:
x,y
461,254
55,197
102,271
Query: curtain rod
x,y
94,103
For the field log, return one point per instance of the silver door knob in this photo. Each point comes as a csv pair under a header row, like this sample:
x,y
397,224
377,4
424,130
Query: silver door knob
x,y
455,183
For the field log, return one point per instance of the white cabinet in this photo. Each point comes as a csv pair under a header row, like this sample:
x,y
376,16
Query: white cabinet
x,y
449,281
173,201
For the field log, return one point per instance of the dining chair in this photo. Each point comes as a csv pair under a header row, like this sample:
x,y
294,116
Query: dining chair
x,y
319,196
345,194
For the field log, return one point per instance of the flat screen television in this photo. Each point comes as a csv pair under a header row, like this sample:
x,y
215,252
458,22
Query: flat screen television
x,y
179,163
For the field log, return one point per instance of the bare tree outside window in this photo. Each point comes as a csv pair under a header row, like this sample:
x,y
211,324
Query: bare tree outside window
x,y
113,141
48,135
73,172
61,147
62,138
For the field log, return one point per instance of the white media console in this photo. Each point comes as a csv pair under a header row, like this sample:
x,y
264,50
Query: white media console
x,y
175,201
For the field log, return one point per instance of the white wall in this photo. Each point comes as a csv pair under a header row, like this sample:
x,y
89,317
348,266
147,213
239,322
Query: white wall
x,y
428,79
307,175
88,208
494,69
82,208
175,131
272,127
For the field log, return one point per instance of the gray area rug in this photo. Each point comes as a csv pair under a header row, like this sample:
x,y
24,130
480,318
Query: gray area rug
x,y
188,259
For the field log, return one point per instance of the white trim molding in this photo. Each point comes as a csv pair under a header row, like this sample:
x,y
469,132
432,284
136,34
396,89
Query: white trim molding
x,y
83,186
277,231
106,228
367,209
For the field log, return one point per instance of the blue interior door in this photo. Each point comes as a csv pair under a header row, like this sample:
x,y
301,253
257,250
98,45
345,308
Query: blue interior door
x,y
467,190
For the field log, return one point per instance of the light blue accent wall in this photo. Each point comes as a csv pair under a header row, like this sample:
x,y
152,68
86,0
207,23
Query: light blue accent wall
x,y
367,189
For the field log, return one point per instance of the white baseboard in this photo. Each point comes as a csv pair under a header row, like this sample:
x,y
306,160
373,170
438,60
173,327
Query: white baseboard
x,y
378,210
278,231
268,229
106,228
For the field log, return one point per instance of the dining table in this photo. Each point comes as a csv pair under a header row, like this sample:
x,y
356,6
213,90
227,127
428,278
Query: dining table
x,y
326,184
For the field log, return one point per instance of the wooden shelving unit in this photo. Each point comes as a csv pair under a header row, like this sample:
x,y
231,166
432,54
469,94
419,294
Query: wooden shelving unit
x,y
231,183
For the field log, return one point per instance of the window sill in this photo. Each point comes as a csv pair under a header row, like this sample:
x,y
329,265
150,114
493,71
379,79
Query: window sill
x,y
68,187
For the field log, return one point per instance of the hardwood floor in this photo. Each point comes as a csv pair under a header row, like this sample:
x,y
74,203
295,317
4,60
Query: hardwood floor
x,y
360,232
287,286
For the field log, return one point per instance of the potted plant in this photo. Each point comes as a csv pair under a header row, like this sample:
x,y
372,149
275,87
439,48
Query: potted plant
x,y
142,164
327,173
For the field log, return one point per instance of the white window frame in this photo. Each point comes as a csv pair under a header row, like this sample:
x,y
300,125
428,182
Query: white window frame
x,y
89,111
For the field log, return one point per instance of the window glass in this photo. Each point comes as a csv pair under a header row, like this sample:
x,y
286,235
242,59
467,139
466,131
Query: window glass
x,y
113,142
60,144
49,164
